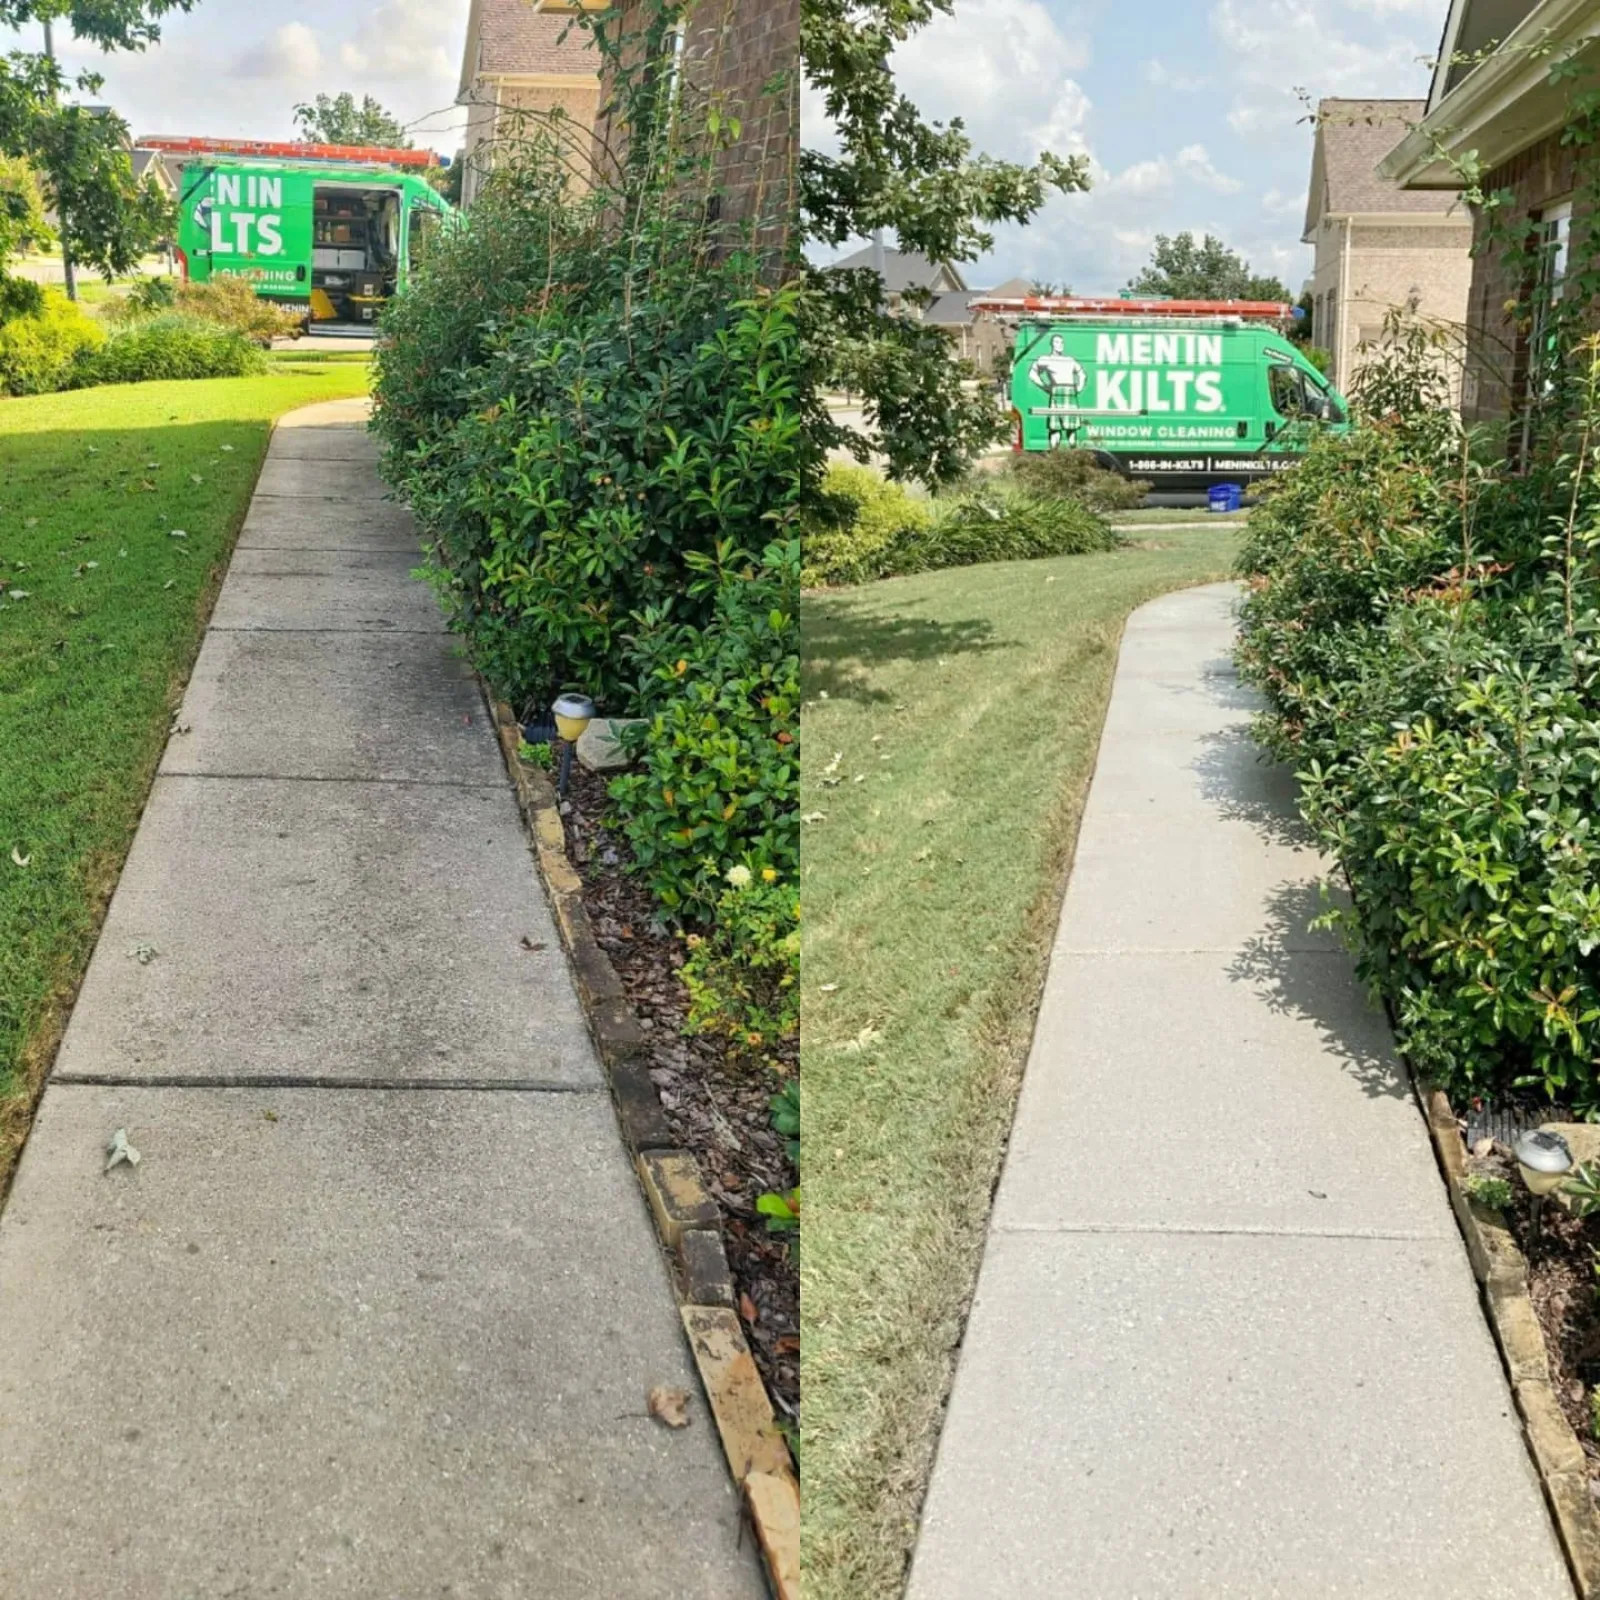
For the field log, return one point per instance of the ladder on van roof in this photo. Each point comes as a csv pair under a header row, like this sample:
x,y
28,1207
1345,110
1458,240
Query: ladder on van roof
x,y
1067,308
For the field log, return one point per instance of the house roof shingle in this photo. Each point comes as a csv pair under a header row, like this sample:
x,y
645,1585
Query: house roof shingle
x,y
902,269
1353,136
516,38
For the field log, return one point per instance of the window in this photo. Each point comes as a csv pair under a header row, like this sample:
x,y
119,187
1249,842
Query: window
x,y
1298,396
1535,374
420,229
1288,398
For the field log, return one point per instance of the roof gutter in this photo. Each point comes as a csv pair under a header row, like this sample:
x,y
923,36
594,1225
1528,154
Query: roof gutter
x,y
1478,115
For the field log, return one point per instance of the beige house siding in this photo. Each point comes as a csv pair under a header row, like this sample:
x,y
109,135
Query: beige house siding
x,y
507,110
1367,268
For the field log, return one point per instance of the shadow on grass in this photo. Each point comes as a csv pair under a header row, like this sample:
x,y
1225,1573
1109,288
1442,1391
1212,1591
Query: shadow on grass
x,y
845,639
1297,981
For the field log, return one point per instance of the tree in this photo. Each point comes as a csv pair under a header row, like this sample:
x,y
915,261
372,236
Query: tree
x,y
447,180
22,208
337,119
896,171
1183,268
108,219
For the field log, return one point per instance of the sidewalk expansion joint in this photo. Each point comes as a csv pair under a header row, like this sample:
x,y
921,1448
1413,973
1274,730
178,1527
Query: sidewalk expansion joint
x,y
1204,1231
371,633
1196,949
319,777
293,1080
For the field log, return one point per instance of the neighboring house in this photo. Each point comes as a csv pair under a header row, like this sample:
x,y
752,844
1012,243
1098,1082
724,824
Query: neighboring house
x,y
1378,245
976,336
740,59
1503,107
934,292
905,273
525,61
149,166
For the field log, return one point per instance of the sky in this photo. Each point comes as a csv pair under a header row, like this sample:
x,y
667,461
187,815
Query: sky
x,y
1191,111
236,68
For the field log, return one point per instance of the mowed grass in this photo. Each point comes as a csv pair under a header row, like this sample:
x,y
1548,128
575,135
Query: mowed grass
x,y
950,729
101,613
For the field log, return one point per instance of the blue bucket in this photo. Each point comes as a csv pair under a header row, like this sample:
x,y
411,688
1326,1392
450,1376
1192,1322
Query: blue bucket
x,y
1226,497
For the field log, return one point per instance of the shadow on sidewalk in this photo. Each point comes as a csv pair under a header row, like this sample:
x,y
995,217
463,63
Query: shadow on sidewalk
x,y
1299,982
1246,785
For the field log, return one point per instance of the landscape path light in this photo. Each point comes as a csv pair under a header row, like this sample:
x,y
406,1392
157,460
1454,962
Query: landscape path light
x,y
573,713
1544,1159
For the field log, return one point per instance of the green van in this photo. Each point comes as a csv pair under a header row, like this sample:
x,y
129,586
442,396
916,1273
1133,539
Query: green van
x,y
1183,397
336,239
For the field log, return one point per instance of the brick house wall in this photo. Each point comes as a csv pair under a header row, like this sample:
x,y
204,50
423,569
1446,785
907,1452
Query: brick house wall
x,y
741,57
1542,176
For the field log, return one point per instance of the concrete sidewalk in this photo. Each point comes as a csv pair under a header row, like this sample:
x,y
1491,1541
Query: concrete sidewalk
x,y
1226,1341
377,1314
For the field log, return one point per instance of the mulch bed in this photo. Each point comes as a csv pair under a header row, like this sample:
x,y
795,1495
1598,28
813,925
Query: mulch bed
x,y
1564,1285
718,1108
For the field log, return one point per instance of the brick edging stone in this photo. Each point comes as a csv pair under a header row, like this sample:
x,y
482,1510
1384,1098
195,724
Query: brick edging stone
x,y
1502,1273
687,1219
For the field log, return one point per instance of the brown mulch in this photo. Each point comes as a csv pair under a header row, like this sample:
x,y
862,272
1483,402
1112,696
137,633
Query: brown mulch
x,y
718,1108
1564,1286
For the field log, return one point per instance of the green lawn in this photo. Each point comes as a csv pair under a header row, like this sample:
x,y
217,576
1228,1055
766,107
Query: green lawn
x,y
950,729
1162,514
101,612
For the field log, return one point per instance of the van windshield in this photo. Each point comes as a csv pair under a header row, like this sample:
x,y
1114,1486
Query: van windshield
x,y
1296,393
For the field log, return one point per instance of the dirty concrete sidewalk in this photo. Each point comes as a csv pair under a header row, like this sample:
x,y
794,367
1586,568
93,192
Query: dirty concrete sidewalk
x,y
377,1313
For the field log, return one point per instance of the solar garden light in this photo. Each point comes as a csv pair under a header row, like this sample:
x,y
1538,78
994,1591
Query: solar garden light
x,y
1544,1159
573,713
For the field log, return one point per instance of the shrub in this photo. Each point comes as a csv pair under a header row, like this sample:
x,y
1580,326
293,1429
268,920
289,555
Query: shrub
x,y
1074,475
597,453
863,523
866,528
40,348
1427,632
719,757
1003,523
742,975
234,303
226,302
170,346
478,278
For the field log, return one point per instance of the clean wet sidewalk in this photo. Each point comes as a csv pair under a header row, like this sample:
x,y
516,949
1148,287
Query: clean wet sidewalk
x,y
1226,1341
378,1311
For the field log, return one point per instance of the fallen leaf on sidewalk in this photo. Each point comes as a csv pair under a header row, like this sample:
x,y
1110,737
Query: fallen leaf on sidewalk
x,y
533,944
815,816
747,1309
670,1406
119,1150
144,954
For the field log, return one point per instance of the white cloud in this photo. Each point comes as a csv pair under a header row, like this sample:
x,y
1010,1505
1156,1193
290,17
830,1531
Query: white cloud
x,y
1005,68
1195,166
292,51
1275,203
1281,52
402,39
1162,76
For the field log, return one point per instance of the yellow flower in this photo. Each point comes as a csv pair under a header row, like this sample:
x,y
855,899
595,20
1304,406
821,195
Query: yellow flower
x,y
768,875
